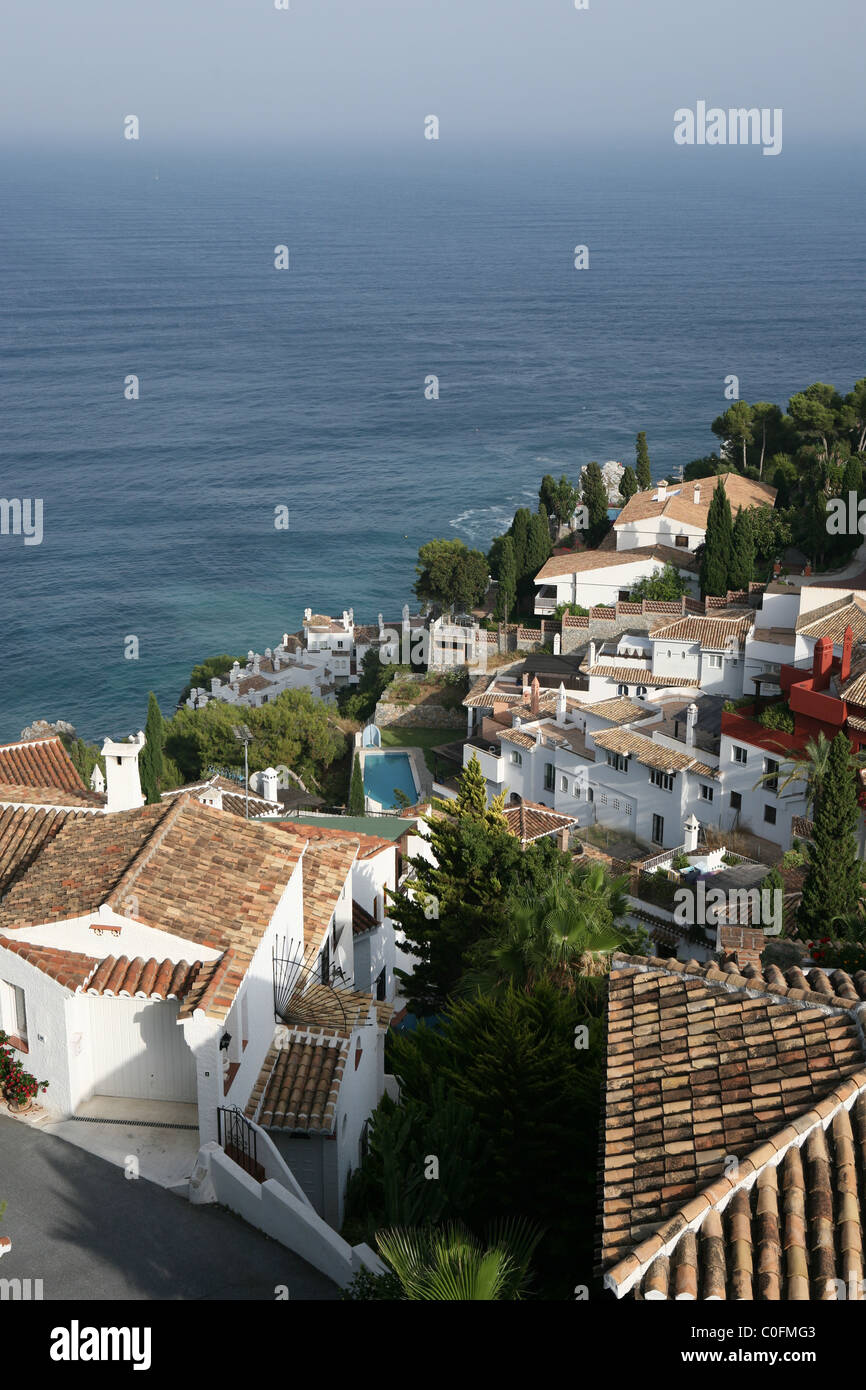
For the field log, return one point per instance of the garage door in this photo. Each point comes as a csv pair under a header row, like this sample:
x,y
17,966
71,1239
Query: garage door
x,y
138,1050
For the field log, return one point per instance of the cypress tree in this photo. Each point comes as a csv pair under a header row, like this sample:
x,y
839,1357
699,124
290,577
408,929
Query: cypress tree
x,y
519,533
538,547
594,495
628,484
507,592
644,476
832,886
356,790
716,559
151,764
742,564
472,796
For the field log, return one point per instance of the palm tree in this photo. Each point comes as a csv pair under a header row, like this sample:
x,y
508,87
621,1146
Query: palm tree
x,y
811,768
448,1263
566,933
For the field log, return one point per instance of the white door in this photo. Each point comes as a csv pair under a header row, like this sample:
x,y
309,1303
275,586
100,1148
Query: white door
x,y
140,1051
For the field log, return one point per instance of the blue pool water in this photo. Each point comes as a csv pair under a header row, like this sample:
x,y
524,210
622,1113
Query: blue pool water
x,y
385,771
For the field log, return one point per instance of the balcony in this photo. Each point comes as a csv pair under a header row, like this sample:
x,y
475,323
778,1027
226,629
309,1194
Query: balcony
x,y
545,601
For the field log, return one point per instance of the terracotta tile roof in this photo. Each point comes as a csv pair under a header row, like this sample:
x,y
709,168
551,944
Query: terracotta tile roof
x,y
713,634
707,1066
118,976
12,794
369,845
68,968
580,561
39,762
233,799
530,821
185,868
627,675
325,870
833,625
649,753
299,1084
618,710
24,833
679,504
802,827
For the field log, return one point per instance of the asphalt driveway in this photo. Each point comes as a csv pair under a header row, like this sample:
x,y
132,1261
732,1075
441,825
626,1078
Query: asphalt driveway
x,y
88,1232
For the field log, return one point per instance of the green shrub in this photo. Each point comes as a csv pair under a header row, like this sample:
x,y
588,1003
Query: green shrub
x,y
777,716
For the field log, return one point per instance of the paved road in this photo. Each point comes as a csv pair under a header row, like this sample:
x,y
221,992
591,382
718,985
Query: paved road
x,y
88,1232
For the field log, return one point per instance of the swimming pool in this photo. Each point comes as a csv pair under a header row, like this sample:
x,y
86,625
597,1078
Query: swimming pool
x,y
385,771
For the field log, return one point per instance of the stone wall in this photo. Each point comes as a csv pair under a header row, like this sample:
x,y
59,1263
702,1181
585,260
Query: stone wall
x,y
421,716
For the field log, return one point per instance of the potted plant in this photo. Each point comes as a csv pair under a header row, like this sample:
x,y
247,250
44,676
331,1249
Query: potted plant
x,y
19,1087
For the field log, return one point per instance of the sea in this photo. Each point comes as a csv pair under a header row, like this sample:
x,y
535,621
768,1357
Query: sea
x,y
304,395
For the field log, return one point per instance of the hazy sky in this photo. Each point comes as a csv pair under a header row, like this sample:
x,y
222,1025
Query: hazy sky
x,y
359,72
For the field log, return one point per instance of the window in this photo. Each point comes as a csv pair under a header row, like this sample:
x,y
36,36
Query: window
x,y
770,815
736,801
665,780
682,542
381,983
739,754
549,775
325,963
713,660
622,690
771,769
658,830
706,792
13,1015
517,759
641,692
590,794
618,761
563,784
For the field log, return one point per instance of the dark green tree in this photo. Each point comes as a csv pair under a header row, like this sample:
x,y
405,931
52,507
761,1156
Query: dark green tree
x,y
832,887
151,763
642,468
594,495
716,558
506,594
519,532
816,414
734,427
665,585
450,574
558,498
450,904
538,551
741,569
628,484
356,789
766,419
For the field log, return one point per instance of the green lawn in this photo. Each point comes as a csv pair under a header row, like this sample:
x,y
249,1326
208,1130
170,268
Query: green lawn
x,y
427,739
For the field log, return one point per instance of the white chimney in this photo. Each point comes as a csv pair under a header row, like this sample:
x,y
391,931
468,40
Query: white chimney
x,y
121,771
697,494
561,707
97,781
269,782
257,665
592,654
212,796
285,641
691,828
308,613
517,721
662,490
691,721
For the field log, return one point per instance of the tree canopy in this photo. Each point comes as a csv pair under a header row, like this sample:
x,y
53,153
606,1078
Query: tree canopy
x,y
451,574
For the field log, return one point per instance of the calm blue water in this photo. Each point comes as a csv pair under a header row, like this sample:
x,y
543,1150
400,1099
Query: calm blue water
x,y
305,388
385,772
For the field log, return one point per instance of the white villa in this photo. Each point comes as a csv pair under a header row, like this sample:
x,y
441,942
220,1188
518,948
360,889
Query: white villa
x,y
664,525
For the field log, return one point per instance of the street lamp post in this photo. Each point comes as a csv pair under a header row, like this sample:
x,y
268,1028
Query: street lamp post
x,y
244,735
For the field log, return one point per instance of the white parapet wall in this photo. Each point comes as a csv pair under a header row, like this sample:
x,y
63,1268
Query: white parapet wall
x,y
272,1207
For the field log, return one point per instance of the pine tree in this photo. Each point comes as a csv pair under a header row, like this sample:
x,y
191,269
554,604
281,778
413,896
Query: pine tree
x,y
357,804
832,886
594,495
151,764
742,565
507,592
716,559
628,484
644,476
